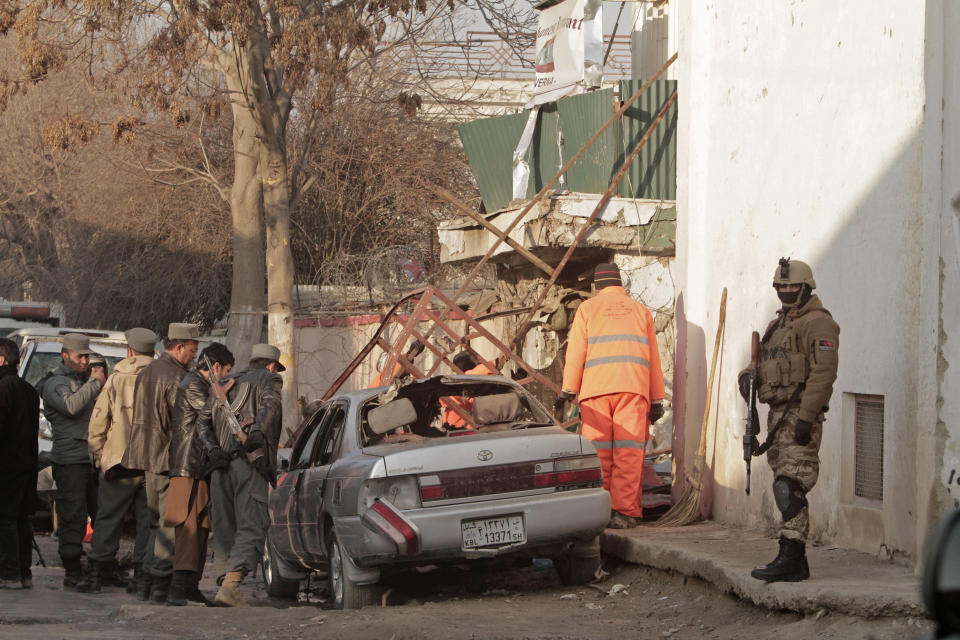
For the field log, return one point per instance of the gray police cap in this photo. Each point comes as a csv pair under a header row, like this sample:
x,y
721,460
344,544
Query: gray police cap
x,y
268,352
183,331
141,340
77,342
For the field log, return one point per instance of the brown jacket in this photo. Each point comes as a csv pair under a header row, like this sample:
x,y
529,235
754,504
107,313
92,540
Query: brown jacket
x,y
154,399
112,417
800,347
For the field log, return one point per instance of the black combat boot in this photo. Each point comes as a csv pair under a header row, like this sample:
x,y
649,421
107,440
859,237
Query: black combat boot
x,y
159,589
92,583
132,583
74,573
111,575
144,584
177,595
194,595
790,565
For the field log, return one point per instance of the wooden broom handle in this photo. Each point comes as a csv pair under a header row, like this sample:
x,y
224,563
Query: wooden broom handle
x,y
702,450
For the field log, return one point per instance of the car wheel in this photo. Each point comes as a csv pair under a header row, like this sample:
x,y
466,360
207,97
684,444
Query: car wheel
x,y
277,586
346,593
579,564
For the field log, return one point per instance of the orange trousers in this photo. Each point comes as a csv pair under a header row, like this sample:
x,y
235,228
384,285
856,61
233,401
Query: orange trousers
x,y
617,425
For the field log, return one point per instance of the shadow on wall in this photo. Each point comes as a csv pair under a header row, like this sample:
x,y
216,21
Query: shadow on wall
x,y
868,281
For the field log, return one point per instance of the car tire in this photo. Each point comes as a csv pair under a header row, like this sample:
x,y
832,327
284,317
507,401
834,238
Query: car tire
x,y
277,586
345,593
579,564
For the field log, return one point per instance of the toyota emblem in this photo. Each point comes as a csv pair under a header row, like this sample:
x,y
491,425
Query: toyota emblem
x,y
484,454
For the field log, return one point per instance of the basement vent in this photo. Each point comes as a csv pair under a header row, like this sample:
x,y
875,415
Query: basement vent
x,y
869,447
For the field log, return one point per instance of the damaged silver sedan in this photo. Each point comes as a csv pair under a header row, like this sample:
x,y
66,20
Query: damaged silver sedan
x,y
377,483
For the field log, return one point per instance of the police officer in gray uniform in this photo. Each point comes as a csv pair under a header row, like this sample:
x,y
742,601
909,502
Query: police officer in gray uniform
x,y
238,485
69,393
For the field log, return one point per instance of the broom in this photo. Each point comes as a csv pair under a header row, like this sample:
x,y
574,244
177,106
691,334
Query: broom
x,y
687,508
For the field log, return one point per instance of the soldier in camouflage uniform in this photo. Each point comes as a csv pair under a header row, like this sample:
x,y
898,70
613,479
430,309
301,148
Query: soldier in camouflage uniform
x,y
798,364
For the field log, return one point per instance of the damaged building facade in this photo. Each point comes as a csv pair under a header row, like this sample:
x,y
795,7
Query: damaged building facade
x,y
801,129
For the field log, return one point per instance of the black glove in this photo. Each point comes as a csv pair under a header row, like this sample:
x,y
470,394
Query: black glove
x,y
802,432
216,459
255,440
656,412
743,380
262,465
415,349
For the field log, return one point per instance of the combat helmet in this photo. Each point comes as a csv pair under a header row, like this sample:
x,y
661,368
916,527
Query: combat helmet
x,y
793,272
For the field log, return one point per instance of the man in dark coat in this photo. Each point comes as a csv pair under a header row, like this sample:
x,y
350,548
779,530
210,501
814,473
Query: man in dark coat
x,y
148,449
188,498
238,486
19,423
69,393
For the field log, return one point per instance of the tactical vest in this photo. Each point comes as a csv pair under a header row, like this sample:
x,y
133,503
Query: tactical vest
x,y
783,364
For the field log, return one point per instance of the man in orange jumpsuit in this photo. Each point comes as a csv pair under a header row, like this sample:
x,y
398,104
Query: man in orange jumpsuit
x,y
614,366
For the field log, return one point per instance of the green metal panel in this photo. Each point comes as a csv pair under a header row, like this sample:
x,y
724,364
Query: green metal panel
x,y
544,154
581,116
653,173
489,144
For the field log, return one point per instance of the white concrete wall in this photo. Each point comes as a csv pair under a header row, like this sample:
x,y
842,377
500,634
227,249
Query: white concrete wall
x,y
942,447
802,133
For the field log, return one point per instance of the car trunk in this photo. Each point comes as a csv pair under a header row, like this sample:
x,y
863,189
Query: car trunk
x,y
485,451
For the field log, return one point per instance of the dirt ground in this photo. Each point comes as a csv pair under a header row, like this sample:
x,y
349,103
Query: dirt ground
x,y
452,602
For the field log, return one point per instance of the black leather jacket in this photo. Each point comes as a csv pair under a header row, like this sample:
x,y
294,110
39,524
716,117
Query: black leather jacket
x,y
188,452
255,399
154,398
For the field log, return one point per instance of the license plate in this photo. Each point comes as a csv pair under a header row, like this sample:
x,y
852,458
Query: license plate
x,y
491,532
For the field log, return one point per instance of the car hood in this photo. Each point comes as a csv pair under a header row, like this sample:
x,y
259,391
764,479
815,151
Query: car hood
x,y
489,449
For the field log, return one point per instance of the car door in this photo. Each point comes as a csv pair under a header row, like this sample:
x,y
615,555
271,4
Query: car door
x,y
310,498
283,500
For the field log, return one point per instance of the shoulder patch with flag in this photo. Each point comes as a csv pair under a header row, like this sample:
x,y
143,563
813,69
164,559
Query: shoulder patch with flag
x,y
826,345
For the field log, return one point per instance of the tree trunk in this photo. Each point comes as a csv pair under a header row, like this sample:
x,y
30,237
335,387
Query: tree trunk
x,y
247,294
280,316
271,105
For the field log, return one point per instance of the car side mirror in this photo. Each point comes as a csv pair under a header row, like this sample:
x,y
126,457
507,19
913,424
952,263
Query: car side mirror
x,y
396,413
941,575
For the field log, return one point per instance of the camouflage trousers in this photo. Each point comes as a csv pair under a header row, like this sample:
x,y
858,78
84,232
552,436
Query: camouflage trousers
x,y
800,463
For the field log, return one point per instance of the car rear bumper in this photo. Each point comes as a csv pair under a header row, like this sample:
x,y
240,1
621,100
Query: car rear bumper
x,y
560,517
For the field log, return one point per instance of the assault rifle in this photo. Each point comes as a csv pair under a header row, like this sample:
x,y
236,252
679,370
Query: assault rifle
x,y
751,445
220,402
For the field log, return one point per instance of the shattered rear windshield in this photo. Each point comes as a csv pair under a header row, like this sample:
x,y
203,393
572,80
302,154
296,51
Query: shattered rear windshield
x,y
446,409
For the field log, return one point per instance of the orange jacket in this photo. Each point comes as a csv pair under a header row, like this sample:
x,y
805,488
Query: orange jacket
x,y
450,416
377,380
612,348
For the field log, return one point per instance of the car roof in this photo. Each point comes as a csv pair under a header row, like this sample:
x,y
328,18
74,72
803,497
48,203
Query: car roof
x,y
57,333
111,349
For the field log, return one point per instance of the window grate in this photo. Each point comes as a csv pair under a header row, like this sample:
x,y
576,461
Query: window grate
x,y
869,447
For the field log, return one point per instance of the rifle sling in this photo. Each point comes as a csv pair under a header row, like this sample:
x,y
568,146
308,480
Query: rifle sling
x,y
773,432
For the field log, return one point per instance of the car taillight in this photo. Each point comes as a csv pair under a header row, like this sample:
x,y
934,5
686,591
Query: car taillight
x,y
570,472
561,474
430,488
383,517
